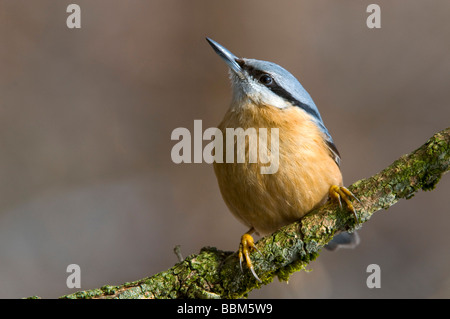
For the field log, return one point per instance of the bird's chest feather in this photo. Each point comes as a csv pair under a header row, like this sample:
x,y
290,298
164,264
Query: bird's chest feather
x,y
305,170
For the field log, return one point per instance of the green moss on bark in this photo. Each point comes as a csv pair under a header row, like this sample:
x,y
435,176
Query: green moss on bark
x,y
216,274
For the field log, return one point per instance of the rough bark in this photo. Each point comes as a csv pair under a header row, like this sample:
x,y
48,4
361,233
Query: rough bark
x,y
216,274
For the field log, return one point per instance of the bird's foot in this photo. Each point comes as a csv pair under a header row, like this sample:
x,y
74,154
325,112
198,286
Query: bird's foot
x,y
339,193
247,244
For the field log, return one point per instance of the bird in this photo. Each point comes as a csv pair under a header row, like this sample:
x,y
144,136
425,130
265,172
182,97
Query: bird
x,y
265,95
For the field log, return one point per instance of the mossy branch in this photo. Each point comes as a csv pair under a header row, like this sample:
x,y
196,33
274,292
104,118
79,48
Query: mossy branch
x,y
216,274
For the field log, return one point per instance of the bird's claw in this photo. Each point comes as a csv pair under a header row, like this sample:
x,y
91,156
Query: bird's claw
x,y
246,245
339,193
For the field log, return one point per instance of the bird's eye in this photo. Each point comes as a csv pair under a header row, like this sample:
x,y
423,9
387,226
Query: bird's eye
x,y
266,79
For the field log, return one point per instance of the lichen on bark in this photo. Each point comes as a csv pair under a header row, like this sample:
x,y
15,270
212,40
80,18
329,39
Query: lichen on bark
x,y
213,273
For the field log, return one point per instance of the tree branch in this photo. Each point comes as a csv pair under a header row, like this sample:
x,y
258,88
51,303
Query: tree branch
x,y
216,274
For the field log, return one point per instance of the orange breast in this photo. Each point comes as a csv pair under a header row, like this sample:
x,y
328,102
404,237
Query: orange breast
x,y
305,169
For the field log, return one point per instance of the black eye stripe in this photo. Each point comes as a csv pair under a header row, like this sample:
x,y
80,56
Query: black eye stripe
x,y
274,87
255,73
277,89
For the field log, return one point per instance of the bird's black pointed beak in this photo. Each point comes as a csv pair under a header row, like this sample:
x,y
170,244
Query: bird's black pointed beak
x,y
227,56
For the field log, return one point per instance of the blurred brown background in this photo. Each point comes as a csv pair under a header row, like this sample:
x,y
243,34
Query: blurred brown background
x,y
86,117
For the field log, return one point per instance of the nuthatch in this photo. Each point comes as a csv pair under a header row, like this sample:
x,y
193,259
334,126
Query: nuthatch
x,y
265,95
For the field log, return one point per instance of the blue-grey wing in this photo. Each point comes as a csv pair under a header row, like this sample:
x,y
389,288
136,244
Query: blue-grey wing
x,y
334,153
343,240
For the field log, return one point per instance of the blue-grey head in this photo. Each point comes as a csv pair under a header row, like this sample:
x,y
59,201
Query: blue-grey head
x,y
267,83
